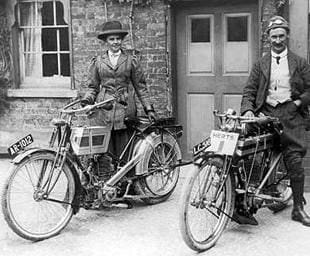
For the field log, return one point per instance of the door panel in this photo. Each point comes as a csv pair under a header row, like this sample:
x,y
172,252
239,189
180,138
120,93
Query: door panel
x,y
200,55
215,48
200,121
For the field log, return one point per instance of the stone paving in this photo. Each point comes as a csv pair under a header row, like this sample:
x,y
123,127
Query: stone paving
x,y
154,231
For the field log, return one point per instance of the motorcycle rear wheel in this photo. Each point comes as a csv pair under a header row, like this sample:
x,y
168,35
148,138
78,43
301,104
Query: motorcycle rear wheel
x,y
286,194
202,218
157,163
25,204
282,187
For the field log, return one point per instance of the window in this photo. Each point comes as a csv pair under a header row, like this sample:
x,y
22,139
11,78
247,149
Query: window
x,y
44,45
200,30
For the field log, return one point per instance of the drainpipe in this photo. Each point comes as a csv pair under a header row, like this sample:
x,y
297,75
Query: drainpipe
x,y
131,17
280,7
167,56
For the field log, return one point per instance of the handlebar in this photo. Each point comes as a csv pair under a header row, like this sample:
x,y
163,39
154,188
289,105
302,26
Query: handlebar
x,y
243,119
106,104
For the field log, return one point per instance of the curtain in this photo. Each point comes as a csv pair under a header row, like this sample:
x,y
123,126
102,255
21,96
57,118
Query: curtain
x,y
32,38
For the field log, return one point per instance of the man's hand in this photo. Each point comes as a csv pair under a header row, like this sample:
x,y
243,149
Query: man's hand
x,y
297,102
249,114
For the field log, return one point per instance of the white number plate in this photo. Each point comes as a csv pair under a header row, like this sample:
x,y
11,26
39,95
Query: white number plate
x,y
223,142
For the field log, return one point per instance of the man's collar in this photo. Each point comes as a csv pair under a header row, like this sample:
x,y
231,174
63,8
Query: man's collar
x,y
282,54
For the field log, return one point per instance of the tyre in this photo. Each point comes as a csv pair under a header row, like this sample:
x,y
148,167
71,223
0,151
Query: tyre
x,y
283,188
203,218
25,201
160,177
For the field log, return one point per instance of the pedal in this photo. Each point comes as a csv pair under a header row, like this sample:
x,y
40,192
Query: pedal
x,y
239,191
125,204
245,220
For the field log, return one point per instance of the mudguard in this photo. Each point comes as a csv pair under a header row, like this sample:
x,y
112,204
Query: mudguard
x,y
142,146
73,167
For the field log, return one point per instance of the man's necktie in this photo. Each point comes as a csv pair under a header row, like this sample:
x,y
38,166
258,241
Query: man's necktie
x,y
278,59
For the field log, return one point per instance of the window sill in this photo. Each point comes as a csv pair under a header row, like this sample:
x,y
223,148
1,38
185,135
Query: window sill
x,y
42,93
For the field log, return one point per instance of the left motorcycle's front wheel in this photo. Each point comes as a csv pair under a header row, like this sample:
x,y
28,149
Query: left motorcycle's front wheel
x,y
37,197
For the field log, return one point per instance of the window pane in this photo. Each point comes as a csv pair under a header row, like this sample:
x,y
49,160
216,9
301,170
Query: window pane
x,y
60,14
50,64
48,13
64,39
65,64
200,30
49,39
237,28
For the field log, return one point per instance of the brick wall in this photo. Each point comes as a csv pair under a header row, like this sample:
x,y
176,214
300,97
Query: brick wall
x,y
148,37
87,16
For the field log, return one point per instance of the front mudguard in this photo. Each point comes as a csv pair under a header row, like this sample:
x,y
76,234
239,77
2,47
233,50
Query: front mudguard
x,y
214,158
76,172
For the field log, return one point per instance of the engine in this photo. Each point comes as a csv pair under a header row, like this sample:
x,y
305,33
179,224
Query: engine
x,y
103,167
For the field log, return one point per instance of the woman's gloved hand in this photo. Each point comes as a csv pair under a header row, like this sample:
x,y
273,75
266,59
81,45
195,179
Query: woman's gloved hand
x,y
152,115
84,102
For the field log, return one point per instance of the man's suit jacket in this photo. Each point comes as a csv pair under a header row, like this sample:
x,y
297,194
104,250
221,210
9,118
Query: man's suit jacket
x,y
106,81
256,89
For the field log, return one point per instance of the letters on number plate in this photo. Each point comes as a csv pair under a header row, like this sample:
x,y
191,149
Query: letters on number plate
x,y
20,145
223,142
201,146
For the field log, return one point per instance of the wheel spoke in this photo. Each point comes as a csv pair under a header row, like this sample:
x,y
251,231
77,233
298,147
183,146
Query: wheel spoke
x,y
160,179
202,218
28,214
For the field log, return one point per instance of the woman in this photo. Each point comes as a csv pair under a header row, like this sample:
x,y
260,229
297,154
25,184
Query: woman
x,y
110,76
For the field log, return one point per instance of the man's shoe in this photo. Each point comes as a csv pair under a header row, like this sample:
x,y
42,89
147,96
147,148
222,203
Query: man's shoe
x,y
298,214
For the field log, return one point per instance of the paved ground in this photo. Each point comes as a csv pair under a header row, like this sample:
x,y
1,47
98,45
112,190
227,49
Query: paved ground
x,y
153,230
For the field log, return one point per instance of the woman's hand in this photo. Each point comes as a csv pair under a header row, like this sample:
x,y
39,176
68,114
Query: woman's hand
x,y
249,114
152,115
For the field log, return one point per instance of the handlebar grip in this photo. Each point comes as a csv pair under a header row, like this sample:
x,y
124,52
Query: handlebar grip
x,y
107,106
124,103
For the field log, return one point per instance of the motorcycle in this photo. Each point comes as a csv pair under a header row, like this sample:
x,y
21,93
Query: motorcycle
x,y
47,186
238,170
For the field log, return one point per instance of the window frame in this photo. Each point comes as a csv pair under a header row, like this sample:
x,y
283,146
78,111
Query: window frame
x,y
60,86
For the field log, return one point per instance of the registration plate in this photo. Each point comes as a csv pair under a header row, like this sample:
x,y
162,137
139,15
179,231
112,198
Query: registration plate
x,y
219,142
20,145
201,146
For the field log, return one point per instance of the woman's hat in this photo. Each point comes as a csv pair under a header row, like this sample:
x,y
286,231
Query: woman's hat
x,y
112,27
277,22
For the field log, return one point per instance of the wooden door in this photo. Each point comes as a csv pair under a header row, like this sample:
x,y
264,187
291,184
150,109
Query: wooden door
x,y
216,46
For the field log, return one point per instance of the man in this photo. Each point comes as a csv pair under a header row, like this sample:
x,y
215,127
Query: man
x,y
279,85
110,76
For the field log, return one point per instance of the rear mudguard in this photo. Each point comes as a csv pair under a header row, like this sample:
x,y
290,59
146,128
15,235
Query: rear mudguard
x,y
142,145
76,172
